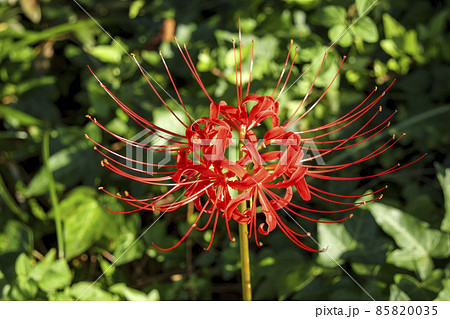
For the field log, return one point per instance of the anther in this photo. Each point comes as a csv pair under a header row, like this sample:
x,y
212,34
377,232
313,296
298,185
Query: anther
x,y
260,244
126,193
376,88
380,108
389,123
102,163
132,54
95,147
381,196
100,188
87,136
106,161
194,225
88,116
325,248
308,234
393,136
350,216
292,41
403,134
386,186
233,240
118,195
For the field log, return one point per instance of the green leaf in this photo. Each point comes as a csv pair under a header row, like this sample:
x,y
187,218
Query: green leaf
x,y
410,43
23,265
356,240
84,220
153,295
392,28
135,7
39,183
337,32
366,29
17,118
127,249
51,274
396,294
23,289
329,16
300,21
56,276
411,260
133,294
417,242
37,209
443,176
16,237
296,279
72,164
363,5
444,295
415,289
106,53
87,291
165,119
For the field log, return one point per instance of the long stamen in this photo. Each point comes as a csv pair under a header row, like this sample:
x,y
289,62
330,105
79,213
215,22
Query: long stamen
x,y
251,68
240,58
345,141
141,145
156,92
284,68
309,91
175,87
386,123
320,98
192,68
137,118
236,73
289,74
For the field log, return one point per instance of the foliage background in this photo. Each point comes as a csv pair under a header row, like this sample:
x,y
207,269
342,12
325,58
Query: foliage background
x,y
397,249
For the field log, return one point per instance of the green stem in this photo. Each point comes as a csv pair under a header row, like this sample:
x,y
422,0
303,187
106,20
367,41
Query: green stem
x,y
243,240
52,192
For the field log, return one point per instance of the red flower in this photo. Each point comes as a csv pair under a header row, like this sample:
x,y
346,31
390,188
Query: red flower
x,y
217,184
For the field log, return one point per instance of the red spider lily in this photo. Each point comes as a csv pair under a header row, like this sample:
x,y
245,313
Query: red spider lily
x,y
217,184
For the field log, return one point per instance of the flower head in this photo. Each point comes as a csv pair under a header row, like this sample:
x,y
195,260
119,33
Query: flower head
x,y
267,171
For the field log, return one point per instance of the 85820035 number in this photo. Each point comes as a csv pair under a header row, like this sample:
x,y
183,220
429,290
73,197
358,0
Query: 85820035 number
x,y
406,310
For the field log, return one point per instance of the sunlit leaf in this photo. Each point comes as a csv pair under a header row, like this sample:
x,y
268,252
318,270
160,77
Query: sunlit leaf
x,y
366,29
392,28
417,242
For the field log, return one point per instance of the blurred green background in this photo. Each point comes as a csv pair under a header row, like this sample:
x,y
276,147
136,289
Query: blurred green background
x,y
397,249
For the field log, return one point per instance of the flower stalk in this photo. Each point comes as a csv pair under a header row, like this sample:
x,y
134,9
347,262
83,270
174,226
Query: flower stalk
x,y
243,238
53,195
